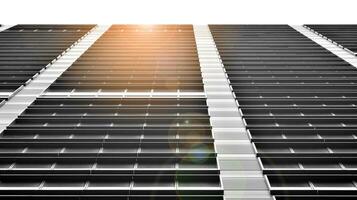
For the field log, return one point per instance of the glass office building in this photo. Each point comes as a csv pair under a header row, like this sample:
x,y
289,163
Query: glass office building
x,y
136,112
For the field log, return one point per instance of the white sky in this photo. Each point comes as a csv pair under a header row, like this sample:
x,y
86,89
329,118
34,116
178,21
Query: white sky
x,y
178,11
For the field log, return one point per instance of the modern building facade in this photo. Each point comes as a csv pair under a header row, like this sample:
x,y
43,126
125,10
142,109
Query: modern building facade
x,y
255,112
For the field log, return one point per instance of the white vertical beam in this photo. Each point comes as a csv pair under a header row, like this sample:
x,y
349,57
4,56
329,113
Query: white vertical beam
x,y
241,175
19,102
340,52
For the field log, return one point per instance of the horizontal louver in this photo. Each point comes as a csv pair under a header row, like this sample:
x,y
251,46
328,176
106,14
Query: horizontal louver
x,y
136,59
120,147
344,35
27,49
298,102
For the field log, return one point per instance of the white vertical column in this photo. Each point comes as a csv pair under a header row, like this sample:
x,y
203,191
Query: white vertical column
x,y
241,175
338,51
21,100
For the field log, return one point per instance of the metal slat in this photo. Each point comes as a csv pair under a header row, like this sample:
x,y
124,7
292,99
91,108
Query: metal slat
x,y
298,108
